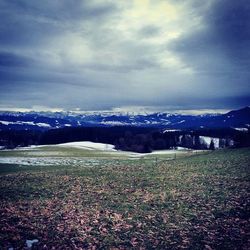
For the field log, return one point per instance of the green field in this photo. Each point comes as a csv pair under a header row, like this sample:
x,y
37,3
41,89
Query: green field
x,y
93,200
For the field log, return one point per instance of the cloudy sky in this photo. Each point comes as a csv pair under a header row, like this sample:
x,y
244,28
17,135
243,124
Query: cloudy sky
x,y
109,54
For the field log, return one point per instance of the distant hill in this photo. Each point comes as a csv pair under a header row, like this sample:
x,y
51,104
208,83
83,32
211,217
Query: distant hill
x,y
238,119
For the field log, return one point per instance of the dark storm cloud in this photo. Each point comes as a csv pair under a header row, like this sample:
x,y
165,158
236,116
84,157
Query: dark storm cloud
x,y
221,50
38,79
224,44
230,24
26,23
58,10
12,60
104,54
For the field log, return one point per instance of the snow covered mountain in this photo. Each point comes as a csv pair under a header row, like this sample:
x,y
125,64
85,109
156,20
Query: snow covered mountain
x,y
238,119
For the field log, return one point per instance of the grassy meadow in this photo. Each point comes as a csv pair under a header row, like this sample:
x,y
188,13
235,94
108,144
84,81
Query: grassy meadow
x,y
100,200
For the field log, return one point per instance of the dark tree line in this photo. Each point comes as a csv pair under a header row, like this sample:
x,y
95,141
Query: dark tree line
x,y
144,143
135,139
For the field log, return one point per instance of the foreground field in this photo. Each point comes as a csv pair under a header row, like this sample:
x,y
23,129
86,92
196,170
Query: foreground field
x,y
189,202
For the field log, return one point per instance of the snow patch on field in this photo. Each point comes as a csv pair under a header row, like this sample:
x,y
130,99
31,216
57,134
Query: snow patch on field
x,y
207,141
88,145
178,150
164,152
51,161
32,157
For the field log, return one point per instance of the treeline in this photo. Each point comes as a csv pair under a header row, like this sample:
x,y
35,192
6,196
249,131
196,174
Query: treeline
x,y
135,139
145,143
19,138
14,138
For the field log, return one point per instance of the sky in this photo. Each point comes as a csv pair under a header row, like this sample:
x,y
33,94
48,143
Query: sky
x,y
135,54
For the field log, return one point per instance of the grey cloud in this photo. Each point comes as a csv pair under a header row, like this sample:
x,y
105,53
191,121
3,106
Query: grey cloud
x,y
225,38
149,31
32,22
12,60
121,70
59,10
230,23
219,52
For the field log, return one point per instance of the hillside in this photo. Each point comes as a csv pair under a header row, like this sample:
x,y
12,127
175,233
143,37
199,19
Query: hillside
x,y
195,202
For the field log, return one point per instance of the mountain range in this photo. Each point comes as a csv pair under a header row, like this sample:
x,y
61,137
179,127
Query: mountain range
x,y
238,119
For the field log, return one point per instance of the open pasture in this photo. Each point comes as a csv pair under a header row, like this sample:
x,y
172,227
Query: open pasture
x,y
87,199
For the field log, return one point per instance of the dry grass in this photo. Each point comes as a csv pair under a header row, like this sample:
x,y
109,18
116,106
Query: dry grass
x,y
199,202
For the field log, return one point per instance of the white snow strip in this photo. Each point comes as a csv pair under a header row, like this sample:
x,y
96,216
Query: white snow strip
x,y
168,151
181,121
51,161
88,145
171,130
114,123
41,124
241,129
6,122
182,148
159,152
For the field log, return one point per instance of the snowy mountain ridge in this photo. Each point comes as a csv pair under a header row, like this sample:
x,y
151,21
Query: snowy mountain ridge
x,y
48,120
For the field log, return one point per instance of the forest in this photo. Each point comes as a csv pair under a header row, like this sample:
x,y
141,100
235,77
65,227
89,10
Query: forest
x,y
137,139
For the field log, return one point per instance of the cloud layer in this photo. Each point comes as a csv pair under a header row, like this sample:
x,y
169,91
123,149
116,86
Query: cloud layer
x,y
98,54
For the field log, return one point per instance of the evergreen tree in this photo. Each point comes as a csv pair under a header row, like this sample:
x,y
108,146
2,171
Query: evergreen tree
x,y
211,146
